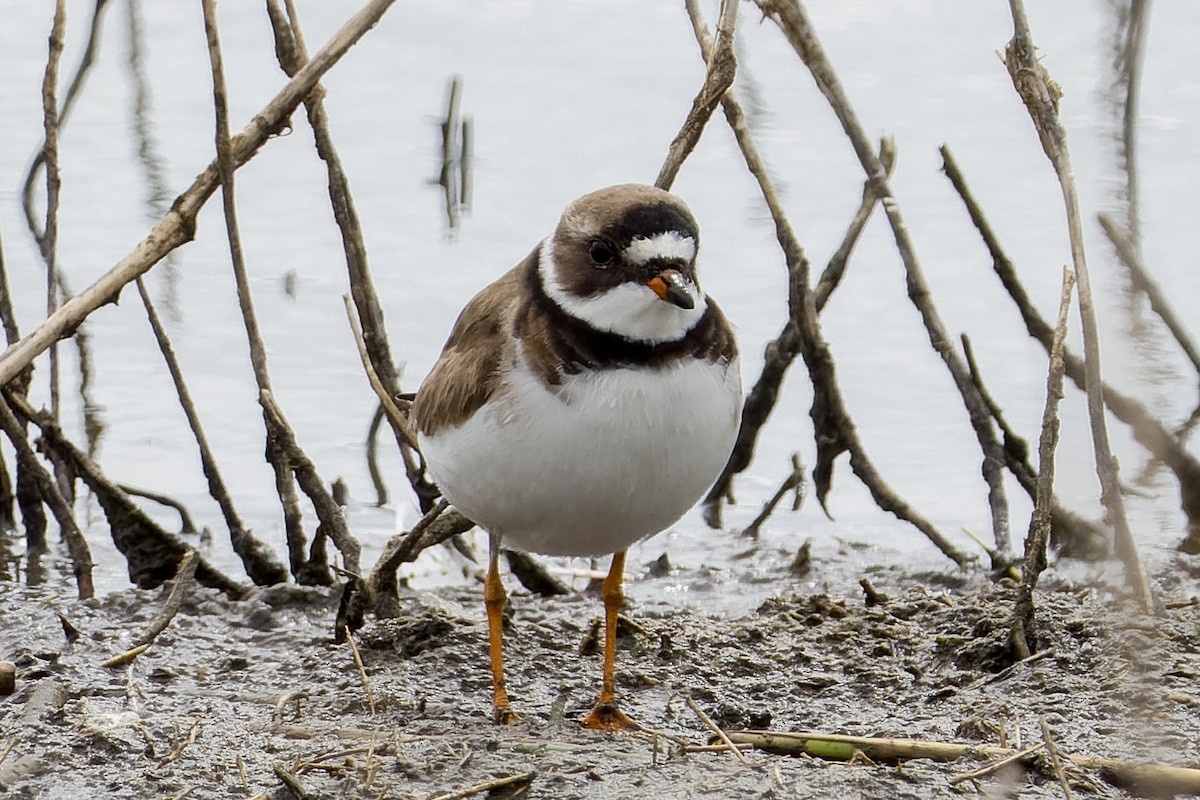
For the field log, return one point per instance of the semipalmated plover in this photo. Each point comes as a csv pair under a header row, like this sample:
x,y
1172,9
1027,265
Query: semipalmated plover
x,y
585,400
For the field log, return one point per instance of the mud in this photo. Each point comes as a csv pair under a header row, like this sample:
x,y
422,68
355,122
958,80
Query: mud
x,y
236,699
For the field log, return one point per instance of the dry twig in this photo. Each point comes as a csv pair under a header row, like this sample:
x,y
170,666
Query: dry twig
x,y
714,727
1041,94
998,764
362,671
722,67
1039,523
49,239
1055,760
794,482
185,580
1147,780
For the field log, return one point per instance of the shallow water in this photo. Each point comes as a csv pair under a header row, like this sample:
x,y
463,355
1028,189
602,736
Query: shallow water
x,y
566,98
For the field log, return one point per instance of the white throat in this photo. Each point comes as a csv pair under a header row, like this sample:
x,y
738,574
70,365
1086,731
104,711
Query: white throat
x,y
629,309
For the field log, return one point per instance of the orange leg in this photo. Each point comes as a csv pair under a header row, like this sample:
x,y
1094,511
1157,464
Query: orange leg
x,y
494,598
606,715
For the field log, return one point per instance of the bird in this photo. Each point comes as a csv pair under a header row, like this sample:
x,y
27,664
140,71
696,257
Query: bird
x,y
584,401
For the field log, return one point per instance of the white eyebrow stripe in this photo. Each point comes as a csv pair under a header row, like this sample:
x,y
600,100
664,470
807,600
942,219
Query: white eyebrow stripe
x,y
629,309
669,244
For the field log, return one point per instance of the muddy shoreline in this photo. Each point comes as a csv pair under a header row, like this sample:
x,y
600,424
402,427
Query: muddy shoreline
x,y
238,698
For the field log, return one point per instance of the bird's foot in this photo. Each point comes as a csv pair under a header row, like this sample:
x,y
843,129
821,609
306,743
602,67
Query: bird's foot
x,y
503,715
607,717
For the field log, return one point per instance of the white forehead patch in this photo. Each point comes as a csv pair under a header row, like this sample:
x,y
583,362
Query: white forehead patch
x,y
671,245
628,309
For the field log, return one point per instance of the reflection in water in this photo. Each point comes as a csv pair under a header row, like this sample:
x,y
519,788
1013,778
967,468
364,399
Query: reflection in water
x,y
157,197
1152,361
455,174
1129,40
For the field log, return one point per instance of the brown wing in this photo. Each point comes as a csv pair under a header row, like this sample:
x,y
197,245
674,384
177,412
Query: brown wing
x,y
466,373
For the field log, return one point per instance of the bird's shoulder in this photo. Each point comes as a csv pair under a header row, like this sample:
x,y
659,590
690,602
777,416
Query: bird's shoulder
x,y
467,372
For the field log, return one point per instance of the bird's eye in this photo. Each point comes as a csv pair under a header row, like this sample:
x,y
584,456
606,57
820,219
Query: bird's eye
x,y
600,253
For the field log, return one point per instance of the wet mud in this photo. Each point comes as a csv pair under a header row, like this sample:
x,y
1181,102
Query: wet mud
x,y
253,699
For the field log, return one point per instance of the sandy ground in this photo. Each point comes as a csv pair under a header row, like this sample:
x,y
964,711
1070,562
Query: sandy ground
x,y
235,698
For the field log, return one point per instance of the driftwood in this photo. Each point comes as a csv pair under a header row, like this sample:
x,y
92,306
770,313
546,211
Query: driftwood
x,y
1145,780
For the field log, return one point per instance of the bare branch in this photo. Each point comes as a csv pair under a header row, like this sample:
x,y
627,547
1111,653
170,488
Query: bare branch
x,y
1041,94
1023,642
722,67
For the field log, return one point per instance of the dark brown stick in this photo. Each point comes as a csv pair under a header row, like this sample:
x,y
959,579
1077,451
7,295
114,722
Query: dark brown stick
x,y
1071,534
833,427
292,55
794,22
81,555
178,226
511,784
722,67
152,554
25,491
438,525
257,559
1041,95
1148,430
794,482
1022,638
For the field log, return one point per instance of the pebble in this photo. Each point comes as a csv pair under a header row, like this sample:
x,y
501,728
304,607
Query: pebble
x,y
8,677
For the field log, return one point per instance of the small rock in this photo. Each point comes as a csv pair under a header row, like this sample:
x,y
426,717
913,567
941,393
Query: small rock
x,y
261,617
8,677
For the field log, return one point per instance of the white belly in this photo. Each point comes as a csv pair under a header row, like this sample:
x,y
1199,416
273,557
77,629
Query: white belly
x,y
604,460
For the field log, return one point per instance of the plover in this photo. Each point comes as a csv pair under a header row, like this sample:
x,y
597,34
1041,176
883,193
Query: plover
x,y
585,400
